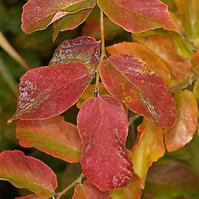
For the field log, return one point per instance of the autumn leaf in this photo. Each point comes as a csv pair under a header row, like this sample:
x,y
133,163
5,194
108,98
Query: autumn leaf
x,y
187,11
129,80
53,136
149,147
27,172
103,128
89,191
187,120
88,93
163,46
132,191
45,92
32,196
138,16
38,14
92,26
138,50
70,22
83,49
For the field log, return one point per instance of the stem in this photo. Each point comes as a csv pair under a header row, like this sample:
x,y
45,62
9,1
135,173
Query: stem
x,y
78,180
12,52
7,77
96,93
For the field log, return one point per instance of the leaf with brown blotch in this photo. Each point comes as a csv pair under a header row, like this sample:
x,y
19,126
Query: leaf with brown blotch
x,y
132,191
32,196
27,172
149,147
129,80
70,22
138,15
53,136
140,51
89,191
187,120
103,128
45,92
38,14
83,49
164,47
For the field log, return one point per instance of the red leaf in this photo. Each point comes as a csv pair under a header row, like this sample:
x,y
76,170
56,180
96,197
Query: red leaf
x,y
38,14
83,49
49,91
138,15
130,81
27,172
32,196
53,136
103,128
89,191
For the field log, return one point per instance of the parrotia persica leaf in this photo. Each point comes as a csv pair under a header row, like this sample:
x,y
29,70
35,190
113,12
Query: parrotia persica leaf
x,y
103,128
89,191
164,47
38,14
138,15
83,49
140,51
45,92
148,148
70,22
27,172
129,80
32,196
53,136
187,120
132,191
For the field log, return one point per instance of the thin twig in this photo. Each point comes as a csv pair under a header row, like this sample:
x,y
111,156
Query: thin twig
x,y
7,77
12,52
96,93
78,180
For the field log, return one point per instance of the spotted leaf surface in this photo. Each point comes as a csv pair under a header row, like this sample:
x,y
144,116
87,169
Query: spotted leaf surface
x,y
83,49
89,191
140,51
149,147
38,14
138,15
187,121
45,92
53,136
27,172
129,80
103,128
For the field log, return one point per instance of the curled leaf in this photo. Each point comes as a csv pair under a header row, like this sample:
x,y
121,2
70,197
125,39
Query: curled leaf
x,y
89,191
149,147
53,136
138,16
27,172
38,14
104,161
129,80
45,92
83,49
187,120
